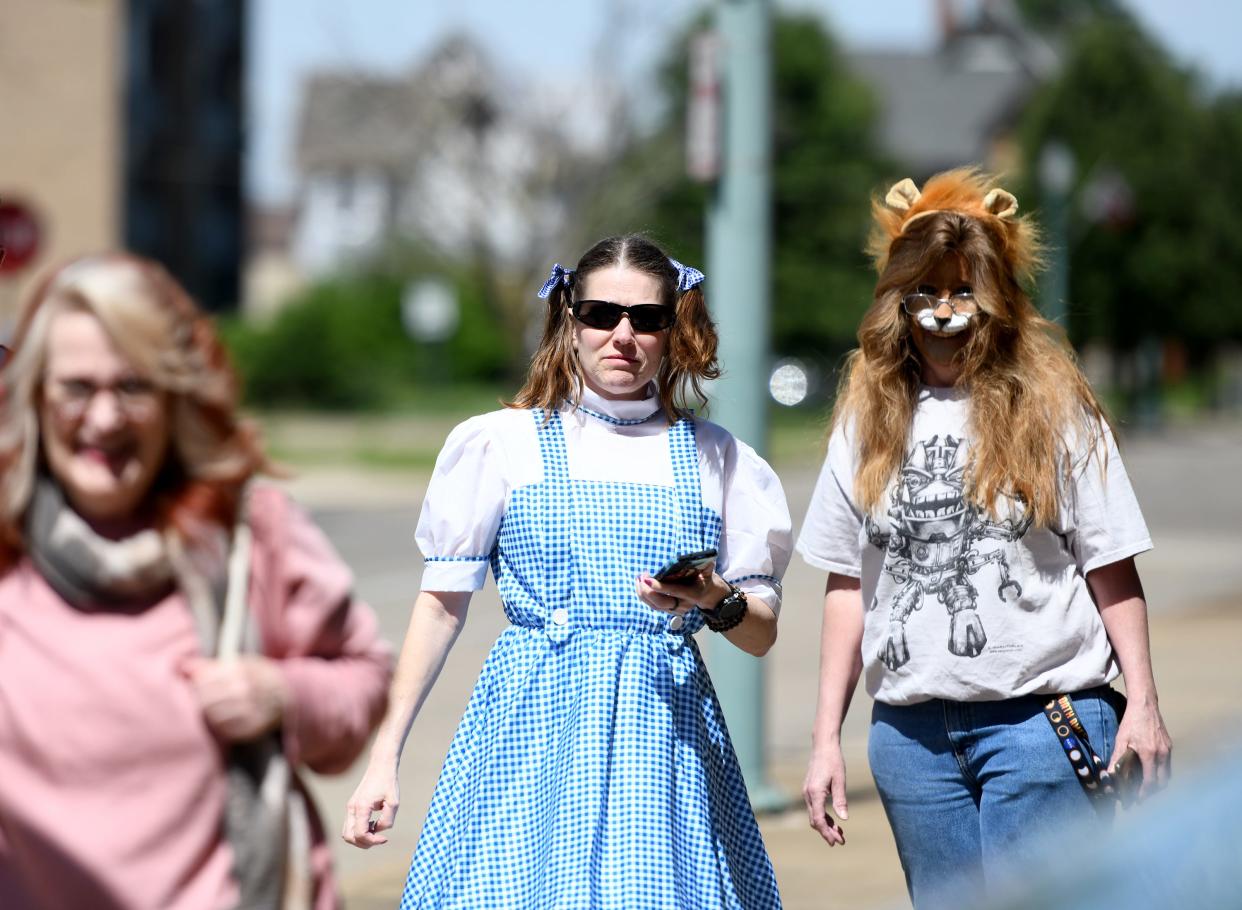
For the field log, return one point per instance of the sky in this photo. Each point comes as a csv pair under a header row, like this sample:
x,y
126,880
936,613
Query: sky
x,y
556,40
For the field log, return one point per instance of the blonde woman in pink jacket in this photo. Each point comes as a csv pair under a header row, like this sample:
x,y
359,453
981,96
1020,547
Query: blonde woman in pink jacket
x,y
151,723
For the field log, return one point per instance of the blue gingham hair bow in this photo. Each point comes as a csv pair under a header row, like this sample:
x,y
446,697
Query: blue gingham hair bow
x,y
687,276
559,275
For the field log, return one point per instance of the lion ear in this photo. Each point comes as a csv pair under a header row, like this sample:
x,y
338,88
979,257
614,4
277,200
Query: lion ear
x,y
1001,203
902,195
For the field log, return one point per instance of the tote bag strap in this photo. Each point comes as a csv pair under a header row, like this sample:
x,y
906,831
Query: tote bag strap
x,y
237,591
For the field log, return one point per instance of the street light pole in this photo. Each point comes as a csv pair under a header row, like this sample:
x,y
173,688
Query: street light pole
x,y
1056,178
738,258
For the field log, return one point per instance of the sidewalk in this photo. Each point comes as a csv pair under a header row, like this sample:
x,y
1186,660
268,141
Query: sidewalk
x,y
1198,697
1193,581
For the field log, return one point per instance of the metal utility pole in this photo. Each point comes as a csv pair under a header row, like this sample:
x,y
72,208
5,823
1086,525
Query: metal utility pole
x,y
738,260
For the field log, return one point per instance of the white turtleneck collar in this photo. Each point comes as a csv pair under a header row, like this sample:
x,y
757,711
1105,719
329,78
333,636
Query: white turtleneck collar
x,y
620,413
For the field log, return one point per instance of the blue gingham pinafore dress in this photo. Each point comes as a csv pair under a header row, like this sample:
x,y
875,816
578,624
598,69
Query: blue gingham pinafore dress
x,y
592,768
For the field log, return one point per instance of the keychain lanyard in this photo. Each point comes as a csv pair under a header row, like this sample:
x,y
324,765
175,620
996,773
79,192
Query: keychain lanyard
x,y
1090,770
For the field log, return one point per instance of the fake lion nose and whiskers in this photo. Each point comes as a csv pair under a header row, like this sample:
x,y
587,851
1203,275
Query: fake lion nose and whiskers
x,y
954,325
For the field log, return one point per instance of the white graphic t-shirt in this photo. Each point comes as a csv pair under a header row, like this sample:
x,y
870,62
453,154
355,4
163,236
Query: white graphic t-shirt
x,y
964,605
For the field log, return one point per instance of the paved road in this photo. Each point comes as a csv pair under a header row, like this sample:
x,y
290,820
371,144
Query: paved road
x,y
1186,480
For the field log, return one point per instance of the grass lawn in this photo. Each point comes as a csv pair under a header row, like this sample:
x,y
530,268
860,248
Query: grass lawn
x,y
409,438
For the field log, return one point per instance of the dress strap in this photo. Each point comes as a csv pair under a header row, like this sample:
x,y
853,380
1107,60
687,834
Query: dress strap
x,y
684,451
556,517
551,444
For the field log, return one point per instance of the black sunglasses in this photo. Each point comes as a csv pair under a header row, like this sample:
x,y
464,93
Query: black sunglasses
x,y
600,314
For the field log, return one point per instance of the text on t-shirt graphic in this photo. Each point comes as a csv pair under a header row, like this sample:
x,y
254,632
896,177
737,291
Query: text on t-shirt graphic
x,y
931,547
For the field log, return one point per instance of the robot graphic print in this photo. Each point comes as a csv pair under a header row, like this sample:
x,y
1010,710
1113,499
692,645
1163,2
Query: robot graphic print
x,y
935,544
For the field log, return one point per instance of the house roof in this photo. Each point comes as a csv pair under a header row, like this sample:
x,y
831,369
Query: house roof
x,y
356,120
946,107
352,120
936,113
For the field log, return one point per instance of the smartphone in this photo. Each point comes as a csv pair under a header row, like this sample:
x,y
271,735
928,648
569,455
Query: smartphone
x,y
685,567
1128,776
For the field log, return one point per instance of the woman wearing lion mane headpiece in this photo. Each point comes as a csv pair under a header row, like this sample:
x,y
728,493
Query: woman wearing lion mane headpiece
x,y
973,499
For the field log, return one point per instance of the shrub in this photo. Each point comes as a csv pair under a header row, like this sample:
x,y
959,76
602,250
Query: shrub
x,y
341,345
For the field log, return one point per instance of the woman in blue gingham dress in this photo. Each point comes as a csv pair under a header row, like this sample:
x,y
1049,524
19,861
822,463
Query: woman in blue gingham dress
x,y
592,768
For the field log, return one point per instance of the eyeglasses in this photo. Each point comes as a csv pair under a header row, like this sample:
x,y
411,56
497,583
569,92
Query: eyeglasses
x,y
914,304
600,314
136,398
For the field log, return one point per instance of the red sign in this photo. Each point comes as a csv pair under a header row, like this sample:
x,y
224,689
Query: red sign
x,y
19,236
703,110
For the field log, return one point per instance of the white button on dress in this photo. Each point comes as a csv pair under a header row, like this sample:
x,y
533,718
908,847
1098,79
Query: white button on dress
x,y
560,616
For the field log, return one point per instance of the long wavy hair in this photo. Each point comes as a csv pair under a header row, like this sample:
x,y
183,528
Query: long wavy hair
x,y
154,324
1029,403
555,376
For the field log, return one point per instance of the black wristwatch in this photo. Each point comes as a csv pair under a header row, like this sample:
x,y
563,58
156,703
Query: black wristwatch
x,y
728,613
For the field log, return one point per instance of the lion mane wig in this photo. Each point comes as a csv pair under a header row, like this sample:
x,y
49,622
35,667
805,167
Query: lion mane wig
x,y
1030,407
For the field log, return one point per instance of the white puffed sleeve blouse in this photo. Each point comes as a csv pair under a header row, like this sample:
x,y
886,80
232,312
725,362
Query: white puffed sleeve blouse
x,y
487,457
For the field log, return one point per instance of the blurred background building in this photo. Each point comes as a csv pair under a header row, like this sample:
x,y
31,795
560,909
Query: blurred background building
x,y
451,155
60,130
123,126
183,137
962,99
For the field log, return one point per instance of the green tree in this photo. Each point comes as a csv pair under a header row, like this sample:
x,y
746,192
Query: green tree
x,y
1221,314
332,347
1156,236
1059,15
825,166
342,343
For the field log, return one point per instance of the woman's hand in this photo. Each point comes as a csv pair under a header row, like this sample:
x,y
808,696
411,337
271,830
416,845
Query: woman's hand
x,y
376,792
825,786
705,589
840,665
1119,595
1142,729
435,622
241,700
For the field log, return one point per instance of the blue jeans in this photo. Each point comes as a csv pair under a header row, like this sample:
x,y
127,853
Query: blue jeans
x,y
966,784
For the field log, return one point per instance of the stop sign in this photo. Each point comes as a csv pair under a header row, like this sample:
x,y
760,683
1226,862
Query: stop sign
x,y
19,236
